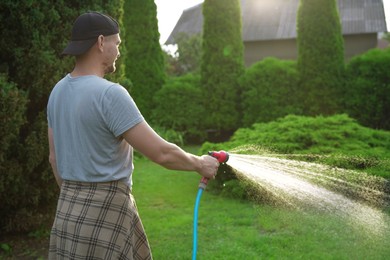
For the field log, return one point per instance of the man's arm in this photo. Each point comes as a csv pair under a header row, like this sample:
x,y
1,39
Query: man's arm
x,y
52,157
145,140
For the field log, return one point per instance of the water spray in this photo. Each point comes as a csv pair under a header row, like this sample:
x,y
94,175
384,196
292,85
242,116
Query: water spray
x,y
222,157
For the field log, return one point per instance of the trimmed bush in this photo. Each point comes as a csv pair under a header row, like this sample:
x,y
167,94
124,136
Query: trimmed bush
x,y
179,107
144,61
339,140
222,64
269,91
367,93
320,56
318,135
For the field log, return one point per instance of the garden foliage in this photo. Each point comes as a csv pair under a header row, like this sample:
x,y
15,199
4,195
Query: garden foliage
x,y
187,57
34,33
269,91
222,63
349,144
320,55
144,61
179,107
33,36
367,92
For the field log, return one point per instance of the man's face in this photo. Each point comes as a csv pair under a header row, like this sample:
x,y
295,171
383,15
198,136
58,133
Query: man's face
x,y
111,47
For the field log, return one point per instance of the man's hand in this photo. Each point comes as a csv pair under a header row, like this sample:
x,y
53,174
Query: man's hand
x,y
209,166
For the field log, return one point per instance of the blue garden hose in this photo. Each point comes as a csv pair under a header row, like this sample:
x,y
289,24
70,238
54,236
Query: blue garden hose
x,y
195,232
222,157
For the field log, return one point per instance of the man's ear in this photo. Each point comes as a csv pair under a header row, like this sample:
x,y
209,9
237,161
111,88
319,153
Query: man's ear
x,y
100,42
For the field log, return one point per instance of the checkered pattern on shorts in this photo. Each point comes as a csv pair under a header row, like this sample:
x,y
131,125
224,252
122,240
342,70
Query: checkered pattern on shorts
x,y
97,221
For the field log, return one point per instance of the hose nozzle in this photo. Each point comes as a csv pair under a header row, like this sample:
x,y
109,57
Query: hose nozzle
x,y
222,157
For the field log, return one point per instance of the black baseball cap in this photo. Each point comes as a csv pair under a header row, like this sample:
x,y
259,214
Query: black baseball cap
x,y
86,29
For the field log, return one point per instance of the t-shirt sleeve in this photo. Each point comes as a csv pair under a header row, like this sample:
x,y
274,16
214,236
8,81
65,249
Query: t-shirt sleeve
x,y
120,111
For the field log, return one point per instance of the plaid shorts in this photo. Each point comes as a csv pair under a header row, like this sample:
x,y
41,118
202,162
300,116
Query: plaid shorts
x,y
97,221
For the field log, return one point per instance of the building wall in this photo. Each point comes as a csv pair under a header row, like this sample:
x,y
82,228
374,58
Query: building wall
x,y
359,43
287,49
258,50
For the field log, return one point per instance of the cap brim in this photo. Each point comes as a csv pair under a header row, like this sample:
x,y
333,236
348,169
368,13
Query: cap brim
x,y
78,47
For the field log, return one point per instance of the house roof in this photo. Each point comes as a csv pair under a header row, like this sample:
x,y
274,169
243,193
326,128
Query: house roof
x,y
279,16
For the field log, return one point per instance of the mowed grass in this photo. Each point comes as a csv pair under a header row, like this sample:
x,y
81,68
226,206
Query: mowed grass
x,y
234,229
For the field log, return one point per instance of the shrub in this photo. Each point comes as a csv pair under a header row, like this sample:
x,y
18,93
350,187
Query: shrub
x,y
367,93
344,142
319,135
170,135
22,195
12,108
34,34
269,91
179,107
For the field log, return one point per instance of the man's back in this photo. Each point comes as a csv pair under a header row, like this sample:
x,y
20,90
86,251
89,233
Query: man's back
x,y
86,115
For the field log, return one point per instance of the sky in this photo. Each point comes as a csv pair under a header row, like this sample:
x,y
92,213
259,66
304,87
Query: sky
x,y
169,12
386,4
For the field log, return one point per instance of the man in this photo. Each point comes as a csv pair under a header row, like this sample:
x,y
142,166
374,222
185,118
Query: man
x,y
93,126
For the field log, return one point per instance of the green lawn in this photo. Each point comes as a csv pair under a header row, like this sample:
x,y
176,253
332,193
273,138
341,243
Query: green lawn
x,y
228,228
233,229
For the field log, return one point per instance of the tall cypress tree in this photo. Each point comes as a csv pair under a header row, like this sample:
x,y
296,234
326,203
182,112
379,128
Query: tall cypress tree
x,y
222,63
320,55
144,61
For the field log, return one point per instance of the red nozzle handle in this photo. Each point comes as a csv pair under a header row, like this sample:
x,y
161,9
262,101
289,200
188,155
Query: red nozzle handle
x,y
222,157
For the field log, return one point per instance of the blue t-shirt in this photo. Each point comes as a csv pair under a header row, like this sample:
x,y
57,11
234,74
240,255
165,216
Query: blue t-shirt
x,y
88,115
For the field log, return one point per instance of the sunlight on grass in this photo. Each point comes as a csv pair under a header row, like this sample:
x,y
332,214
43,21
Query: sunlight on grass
x,y
234,229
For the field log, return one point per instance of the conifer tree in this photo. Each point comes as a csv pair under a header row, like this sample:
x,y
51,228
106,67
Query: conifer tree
x,y
320,55
222,63
144,61
33,36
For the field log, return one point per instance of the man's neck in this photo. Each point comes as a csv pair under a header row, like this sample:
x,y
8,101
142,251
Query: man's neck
x,y
83,68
